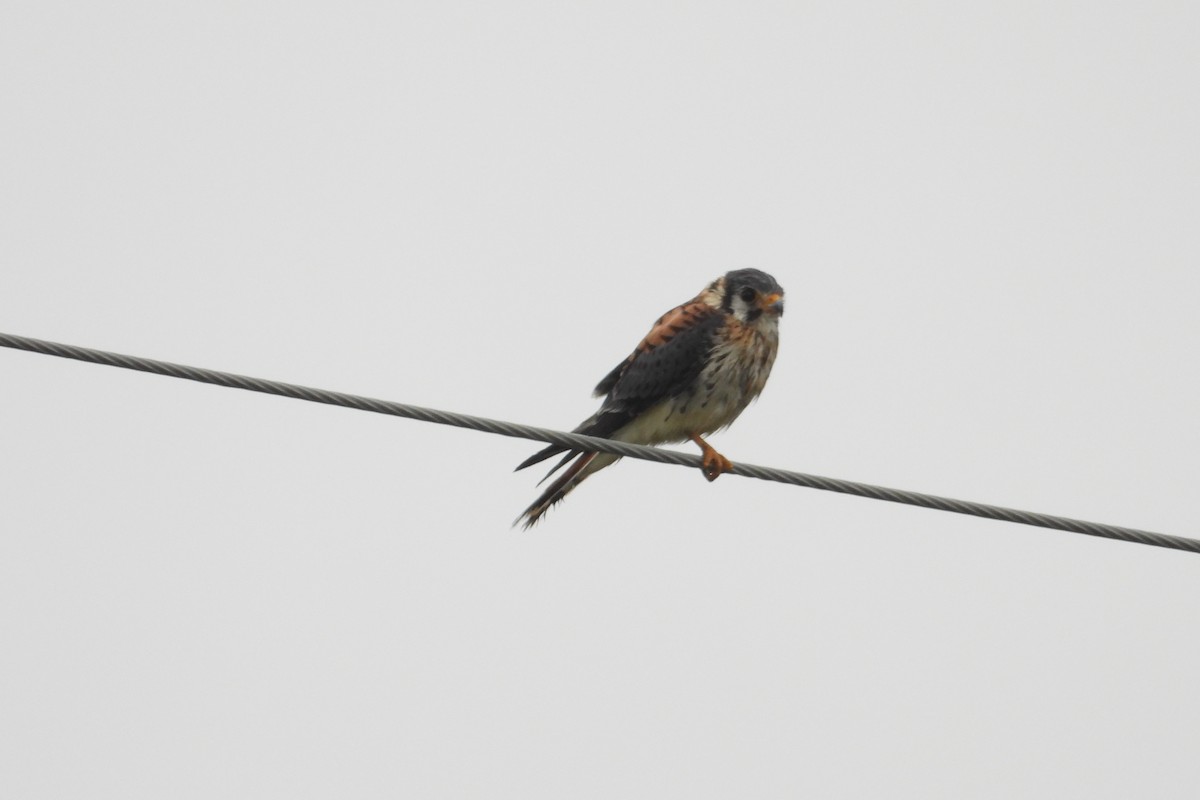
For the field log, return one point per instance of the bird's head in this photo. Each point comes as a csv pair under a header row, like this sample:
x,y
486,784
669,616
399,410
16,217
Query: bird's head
x,y
751,295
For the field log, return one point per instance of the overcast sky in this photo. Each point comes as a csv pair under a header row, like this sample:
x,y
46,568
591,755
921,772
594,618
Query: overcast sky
x,y
985,218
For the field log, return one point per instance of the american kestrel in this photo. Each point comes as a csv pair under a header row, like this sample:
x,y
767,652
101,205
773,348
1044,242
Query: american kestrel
x,y
694,373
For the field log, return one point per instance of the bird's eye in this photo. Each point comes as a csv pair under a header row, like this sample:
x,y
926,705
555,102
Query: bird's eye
x,y
747,294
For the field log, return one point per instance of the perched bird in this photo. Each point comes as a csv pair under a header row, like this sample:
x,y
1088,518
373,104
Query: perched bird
x,y
694,373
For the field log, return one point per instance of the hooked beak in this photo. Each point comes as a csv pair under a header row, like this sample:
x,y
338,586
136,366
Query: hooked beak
x,y
772,303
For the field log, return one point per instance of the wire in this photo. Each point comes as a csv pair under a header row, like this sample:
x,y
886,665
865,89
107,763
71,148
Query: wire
x,y
590,443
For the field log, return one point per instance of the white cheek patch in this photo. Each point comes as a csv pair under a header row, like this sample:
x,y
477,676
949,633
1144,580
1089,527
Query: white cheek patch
x,y
741,309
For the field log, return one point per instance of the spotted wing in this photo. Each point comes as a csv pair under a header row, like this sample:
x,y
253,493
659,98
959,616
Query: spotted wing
x,y
666,361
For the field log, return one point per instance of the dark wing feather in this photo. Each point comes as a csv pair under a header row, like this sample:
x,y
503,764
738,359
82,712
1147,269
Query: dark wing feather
x,y
665,363
610,380
542,455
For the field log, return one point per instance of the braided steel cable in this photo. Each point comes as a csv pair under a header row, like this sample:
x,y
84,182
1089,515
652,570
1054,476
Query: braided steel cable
x,y
590,443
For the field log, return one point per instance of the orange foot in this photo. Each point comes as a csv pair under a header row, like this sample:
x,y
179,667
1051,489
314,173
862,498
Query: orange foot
x,y
714,463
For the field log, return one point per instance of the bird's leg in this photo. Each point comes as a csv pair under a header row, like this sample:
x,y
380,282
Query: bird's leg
x,y
714,463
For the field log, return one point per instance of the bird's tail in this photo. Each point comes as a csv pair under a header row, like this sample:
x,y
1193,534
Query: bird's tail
x,y
584,465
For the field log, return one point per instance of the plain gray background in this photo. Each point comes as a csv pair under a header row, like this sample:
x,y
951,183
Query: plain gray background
x,y
985,218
